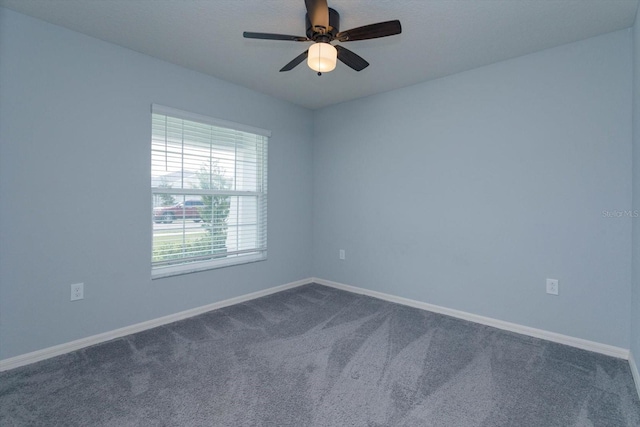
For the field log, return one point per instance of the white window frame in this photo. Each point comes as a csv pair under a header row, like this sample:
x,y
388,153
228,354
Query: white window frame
x,y
190,265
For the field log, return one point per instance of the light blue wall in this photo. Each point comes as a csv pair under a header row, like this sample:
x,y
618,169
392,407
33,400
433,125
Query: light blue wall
x,y
635,300
75,177
469,191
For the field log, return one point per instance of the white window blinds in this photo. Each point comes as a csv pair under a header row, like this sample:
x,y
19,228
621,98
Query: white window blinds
x,y
209,187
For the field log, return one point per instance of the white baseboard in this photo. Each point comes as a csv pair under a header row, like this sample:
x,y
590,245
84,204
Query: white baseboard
x,y
634,372
596,347
46,353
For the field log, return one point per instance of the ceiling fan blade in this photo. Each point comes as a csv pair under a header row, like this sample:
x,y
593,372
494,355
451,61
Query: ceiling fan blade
x,y
318,12
269,36
297,60
372,31
351,59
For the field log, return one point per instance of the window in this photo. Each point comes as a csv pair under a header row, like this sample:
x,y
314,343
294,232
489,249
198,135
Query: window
x,y
209,191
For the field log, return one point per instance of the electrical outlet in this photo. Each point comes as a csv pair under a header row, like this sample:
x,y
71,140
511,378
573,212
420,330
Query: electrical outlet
x,y
552,286
77,291
342,254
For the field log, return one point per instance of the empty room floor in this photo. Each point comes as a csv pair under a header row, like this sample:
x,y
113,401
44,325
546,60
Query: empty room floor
x,y
318,356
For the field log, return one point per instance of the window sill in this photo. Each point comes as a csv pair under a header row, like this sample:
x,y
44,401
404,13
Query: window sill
x,y
196,267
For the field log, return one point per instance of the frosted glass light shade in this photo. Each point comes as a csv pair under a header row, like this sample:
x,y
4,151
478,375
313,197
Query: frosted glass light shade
x,y
322,57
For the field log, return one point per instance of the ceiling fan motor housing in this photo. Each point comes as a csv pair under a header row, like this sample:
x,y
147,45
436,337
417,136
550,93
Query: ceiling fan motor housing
x,y
334,27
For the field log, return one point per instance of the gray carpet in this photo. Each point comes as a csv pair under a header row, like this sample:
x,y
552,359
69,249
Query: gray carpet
x,y
317,356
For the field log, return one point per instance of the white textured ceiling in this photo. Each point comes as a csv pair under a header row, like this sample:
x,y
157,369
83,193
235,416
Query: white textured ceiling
x,y
439,37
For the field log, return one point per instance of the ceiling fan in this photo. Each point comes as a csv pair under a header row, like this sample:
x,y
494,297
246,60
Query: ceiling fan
x,y
323,27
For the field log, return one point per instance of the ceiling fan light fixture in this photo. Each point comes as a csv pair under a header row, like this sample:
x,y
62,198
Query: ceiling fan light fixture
x,y
323,28
322,57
